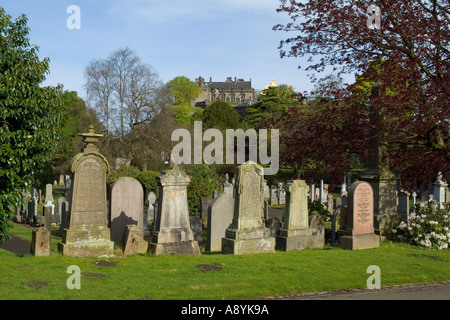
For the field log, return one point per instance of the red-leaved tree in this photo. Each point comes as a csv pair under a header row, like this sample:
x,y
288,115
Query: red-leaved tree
x,y
400,46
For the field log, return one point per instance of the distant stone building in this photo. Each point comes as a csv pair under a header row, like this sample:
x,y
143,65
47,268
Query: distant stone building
x,y
237,91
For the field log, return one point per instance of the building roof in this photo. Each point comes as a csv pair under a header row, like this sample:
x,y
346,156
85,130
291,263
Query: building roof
x,y
236,84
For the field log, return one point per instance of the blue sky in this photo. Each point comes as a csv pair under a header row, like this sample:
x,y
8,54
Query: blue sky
x,y
208,38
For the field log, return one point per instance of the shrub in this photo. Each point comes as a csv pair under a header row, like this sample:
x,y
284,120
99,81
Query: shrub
x,y
428,228
317,207
196,190
146,178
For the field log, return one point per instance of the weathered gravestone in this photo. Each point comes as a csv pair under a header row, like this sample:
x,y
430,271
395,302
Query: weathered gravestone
x,y
273,196
87,233
49,193
317,227
295,233
247,232
127,208
281,195
439,188
133,243
204,205
220,215
360,225
196,225
173,233
403,205
227,186
40,242
151,208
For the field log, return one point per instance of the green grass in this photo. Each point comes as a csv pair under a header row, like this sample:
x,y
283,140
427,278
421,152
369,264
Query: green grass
x,y
242,277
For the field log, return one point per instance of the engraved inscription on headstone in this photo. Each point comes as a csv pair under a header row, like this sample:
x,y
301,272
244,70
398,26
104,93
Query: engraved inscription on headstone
x,y
363,209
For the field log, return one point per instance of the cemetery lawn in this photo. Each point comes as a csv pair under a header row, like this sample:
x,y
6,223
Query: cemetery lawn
x,y
214,276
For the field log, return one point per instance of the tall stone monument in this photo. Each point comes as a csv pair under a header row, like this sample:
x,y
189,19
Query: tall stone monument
x,y
87,233
295,233
173,233
379,176
247,232
359,232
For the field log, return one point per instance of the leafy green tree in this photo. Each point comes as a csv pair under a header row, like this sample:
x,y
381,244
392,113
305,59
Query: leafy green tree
x,y
182,114
272,102
220,115
183,90
30,115
77,118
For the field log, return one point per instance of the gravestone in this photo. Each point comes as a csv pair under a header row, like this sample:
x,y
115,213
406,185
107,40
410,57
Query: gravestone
x,y
273,224
273,196
220,216
360,227
32,209
247,232
49,193
403,205
48,216
173,233
312,190
127,207
281,195
295,233
151,208
439,191
227,186
317,227
87,233
61,180
322,197
196,225
40,242
64,217
204,205
266,190
330,203
133,243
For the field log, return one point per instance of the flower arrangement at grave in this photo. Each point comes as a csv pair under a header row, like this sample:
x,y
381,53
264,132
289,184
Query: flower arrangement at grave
x,y
429,227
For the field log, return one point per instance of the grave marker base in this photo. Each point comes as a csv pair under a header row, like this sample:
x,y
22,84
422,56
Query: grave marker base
x,y
86,241
360,241
247,241
176,248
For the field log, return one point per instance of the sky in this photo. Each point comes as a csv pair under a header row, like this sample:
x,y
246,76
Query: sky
x,y
192,38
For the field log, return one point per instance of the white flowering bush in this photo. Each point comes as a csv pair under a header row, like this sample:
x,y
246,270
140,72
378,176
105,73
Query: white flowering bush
x,y
429,227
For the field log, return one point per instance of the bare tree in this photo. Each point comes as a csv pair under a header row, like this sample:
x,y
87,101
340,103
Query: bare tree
x,y
128,96
99,90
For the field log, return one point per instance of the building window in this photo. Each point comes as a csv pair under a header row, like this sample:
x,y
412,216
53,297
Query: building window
x,y
238,100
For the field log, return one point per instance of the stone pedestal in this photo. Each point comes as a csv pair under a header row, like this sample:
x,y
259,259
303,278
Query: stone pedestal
x,y
386,216
40,242
247,232
86,241
173,233
360,242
